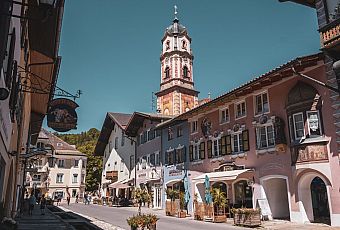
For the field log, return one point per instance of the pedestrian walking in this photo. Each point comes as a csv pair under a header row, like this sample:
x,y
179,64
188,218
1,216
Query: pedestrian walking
x,y
68,200
77,197
59,199
42,204
32,202
85,198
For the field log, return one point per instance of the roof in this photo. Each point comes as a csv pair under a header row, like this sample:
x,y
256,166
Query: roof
x,y
59,145
277,74
223,175
120,119
310,3
176,28
138,118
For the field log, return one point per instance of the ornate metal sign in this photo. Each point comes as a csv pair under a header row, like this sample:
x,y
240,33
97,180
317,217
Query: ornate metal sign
x,y
61,115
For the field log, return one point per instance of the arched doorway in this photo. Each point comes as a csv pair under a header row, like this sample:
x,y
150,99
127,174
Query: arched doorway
x,y
319,201
243,194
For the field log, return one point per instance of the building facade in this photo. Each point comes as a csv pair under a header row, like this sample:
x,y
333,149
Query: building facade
x,y
142,126
24,43
177,94
61,172
118,153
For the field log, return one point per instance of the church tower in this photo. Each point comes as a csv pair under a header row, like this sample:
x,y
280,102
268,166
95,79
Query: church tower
x,y
177,94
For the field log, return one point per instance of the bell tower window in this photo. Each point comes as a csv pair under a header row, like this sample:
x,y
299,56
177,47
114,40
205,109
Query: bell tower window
x,y
184,45
167,45
185,72
167,72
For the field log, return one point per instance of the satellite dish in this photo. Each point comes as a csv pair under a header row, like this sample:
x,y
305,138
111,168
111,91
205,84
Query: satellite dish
x,y
4,93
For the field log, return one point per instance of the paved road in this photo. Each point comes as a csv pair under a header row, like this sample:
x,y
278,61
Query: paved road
x,y
118,216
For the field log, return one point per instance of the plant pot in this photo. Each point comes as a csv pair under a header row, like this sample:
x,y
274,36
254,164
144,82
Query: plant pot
x,y
181,214
220,219
152,227
249,220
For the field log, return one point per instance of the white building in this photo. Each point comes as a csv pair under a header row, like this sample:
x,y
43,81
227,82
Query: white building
x,y
61,172
118,154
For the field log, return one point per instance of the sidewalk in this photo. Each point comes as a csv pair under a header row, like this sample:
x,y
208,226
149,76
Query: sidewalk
x,y
37,221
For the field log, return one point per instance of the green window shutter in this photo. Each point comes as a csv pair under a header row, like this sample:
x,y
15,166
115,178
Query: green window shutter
x,y
245,139
202,150
223,149
228,144
209,148
191,152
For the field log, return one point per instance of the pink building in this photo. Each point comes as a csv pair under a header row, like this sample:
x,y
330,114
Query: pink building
x,y
271,141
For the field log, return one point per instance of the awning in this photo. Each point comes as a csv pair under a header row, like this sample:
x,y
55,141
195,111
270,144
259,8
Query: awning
x,y
119,185
220,176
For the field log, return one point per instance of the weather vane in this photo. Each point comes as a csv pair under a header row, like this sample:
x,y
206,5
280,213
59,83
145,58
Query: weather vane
x,y
175,11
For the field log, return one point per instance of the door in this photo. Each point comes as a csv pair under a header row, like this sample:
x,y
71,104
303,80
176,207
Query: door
x,y
158,197
319,201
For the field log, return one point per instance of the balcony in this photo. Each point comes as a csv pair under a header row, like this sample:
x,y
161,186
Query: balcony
x,y
111,175
309,153
330,36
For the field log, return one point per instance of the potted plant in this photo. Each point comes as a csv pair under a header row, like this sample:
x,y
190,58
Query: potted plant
x,y
219,201
171,194
181,213
143,221
151,221
247,217
140,196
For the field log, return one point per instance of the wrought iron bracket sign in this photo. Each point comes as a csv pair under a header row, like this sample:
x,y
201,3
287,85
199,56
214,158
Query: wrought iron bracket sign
x,y
61,115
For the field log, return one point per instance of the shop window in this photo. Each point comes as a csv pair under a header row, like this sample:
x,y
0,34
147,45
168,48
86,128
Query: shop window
x,y
243,194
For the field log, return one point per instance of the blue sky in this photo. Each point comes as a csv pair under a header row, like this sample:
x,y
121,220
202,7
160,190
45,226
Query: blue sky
x,y
110,48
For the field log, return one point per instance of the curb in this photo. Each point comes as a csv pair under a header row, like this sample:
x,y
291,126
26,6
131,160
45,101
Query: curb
x,y
99,223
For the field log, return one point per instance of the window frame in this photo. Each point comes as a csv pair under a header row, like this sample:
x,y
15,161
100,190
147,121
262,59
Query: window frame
x,y
294,126
259,113
194,126
167,72
319,120
222,119
60,175
258,136
239,142
245,109
73,177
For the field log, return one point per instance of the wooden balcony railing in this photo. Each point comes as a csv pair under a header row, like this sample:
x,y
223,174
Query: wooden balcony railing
x,y
111,175
330,34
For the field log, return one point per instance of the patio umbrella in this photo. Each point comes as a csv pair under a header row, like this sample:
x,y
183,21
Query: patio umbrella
x,y
186,188
208,198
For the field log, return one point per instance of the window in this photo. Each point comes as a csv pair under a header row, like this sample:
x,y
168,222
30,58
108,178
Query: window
x,y
167,72
144,162
185,72
110,146
179,155
60,178
76,163
75,178
224,115
179,131
152,134
132,162
202,150
209,148
137,163
299,130
170,134
265,137
152,160
240,109
314,124
123,139
61,163
170,157
116,142
196,152
261,103
157,159
74,192
167,45
82,178
122,165
193,126
237,143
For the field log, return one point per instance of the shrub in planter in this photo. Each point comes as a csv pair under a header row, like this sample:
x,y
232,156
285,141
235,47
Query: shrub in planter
x,y
148,221
219,200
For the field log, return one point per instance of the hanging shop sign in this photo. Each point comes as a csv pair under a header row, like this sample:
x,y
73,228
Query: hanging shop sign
x,y
62,115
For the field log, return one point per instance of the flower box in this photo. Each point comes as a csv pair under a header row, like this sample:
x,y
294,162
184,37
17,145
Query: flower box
x,y
247,217
181,214
220,219
143,222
